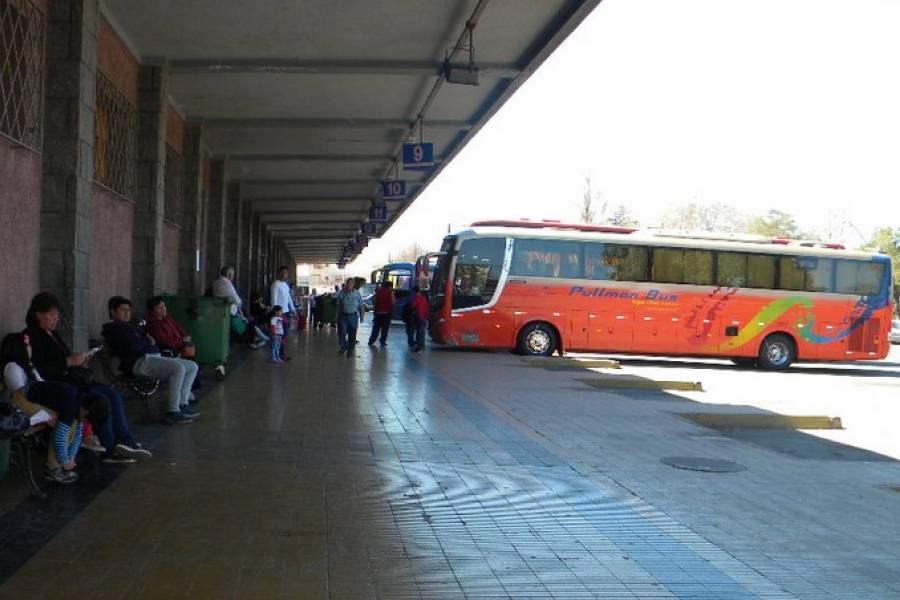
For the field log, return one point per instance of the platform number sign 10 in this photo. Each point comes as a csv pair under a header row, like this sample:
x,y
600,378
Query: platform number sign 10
x,y
418,156
394,189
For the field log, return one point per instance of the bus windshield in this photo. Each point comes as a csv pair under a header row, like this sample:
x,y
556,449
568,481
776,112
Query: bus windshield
x,y
478,266
442,270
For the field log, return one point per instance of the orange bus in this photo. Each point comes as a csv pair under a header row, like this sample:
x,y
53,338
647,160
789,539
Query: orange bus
x,y
545,287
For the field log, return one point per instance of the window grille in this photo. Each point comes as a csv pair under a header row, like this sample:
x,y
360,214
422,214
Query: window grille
x,y
174,185
115,139
21,71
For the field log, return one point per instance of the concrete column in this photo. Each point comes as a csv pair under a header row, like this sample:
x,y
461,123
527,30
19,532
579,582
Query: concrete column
x,y
215,234
233,232
246,251
189,280
150,199
68,161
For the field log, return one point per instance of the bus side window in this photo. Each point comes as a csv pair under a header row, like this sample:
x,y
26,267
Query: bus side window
x,y
792,276
668,265
731,270
858,278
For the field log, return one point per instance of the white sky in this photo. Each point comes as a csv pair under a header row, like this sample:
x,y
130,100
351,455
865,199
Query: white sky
x,y
788,104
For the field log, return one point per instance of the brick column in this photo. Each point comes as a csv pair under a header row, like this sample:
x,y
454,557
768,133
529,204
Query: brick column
x,y
245,256
68,161
150,199
233,231
189,280
215,230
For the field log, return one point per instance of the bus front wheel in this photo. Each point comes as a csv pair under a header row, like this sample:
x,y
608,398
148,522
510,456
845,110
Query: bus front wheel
x,y
777,352
537,339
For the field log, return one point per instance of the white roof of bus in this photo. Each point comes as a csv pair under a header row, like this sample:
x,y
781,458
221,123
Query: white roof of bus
x,y
651,238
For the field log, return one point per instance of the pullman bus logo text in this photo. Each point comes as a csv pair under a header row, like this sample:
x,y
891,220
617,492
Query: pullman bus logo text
x,y
653,295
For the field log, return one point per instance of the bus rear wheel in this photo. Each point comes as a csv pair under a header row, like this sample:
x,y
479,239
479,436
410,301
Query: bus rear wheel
x,y
537,339
777,352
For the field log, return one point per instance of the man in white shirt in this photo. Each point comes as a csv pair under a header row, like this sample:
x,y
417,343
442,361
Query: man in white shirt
x,y
281,296
224,288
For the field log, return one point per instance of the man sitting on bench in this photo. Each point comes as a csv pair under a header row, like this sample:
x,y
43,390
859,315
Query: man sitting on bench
x,y
138,355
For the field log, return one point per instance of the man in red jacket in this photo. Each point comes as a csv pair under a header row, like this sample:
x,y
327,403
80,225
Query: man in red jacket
x,y
164,330
383,307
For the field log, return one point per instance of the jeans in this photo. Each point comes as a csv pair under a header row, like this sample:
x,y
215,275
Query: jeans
x,y
115,430
180,374
415,334
276,346
347,330
380,324
260,336
288,317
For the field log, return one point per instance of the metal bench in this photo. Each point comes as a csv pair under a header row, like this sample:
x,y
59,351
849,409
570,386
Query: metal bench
x,y
139,386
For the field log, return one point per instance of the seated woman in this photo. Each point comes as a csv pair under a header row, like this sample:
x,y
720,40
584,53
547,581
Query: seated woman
x,y
164,330
53,360
68,409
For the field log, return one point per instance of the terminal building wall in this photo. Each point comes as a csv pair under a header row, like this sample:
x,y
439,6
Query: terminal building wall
x,y
65,225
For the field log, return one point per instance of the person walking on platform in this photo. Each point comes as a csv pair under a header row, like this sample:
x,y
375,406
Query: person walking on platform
x,y
416,318
350,314
383,307
281,296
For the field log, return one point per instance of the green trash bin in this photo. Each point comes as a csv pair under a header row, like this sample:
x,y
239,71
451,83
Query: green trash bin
x,y
208,321
329,309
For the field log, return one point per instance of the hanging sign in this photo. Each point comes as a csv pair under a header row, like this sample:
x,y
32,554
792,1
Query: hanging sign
x,y
378,213
418,157
362,241
369,229
394,189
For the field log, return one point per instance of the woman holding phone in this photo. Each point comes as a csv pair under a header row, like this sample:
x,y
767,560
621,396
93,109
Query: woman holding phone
x,y
55,362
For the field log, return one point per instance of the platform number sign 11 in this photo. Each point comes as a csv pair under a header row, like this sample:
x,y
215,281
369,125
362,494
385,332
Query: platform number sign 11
x,y
394,189
378,214
418,157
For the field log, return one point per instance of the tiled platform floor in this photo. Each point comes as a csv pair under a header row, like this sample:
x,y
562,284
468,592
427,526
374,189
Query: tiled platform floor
x,y
451,475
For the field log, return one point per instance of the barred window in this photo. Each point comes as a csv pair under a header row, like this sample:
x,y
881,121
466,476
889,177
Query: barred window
x,y
115,139
174,185
21,71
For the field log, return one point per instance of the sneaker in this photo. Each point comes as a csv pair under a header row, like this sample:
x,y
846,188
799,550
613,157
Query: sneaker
x,y
61,476
190,411
383,344
92,443
117,458
285,358
258,344
276,361
371,344
133,450
176,418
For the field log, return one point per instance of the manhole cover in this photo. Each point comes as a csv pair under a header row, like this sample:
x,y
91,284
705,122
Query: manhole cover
x,y
706,465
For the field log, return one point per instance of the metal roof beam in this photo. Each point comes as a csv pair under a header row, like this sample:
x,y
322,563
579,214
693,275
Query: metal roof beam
x,y
370,181
307,213
346,123
232,66
302,199
307,157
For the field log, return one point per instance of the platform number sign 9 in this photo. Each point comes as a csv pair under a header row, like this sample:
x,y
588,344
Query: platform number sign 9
x,y
418,156
394,189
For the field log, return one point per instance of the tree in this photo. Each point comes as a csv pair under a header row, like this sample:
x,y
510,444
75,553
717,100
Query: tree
x,y
587,211
776,224
704,217
409,253
887,241
621,217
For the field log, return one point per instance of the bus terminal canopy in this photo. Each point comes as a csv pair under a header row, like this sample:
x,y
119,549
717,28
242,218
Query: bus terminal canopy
x,y
309,103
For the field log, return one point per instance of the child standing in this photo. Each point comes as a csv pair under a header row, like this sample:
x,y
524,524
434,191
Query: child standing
x,y
276,327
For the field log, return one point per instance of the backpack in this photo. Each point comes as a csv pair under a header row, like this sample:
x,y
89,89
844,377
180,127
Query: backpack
x,y
408,314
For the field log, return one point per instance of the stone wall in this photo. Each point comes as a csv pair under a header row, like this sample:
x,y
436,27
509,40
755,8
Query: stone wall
x,y
112,220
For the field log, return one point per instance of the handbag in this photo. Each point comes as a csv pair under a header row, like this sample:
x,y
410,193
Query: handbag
x,y
12,420
189,350
238,325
